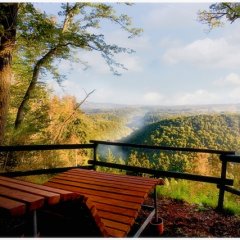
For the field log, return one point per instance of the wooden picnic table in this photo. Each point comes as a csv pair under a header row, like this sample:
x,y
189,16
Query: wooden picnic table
x,y
18,198
114,200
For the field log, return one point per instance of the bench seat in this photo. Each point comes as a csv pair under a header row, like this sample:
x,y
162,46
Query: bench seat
x,y
18,197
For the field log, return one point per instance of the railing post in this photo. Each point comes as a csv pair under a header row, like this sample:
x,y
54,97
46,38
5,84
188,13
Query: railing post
x,y
222,184
94,155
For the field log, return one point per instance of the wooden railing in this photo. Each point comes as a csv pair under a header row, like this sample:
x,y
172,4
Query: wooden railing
x,y
222,182
21,148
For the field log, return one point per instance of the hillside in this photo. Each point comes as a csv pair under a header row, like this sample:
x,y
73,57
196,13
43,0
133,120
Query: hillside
x,y
215,131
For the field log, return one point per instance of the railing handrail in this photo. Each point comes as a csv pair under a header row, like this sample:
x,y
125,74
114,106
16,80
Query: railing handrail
x,y
44,147
165,148
40,147
225,156
230,158
161,173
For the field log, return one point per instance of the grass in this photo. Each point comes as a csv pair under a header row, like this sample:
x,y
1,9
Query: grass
x,y
203,194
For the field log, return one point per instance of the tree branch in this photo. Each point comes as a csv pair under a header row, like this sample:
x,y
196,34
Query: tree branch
x,y
71,116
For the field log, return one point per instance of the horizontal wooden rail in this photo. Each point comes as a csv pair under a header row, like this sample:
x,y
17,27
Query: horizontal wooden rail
x,y
230,158
41,171
232,190
44,147
159,173
164,147
225,157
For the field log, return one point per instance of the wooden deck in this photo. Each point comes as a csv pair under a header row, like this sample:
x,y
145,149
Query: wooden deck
x,y
114,200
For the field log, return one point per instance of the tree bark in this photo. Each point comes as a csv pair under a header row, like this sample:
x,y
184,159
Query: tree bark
x,y
8,16
31,87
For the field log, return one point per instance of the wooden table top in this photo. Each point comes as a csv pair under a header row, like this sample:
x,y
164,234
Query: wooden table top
x,y
114,199
18,197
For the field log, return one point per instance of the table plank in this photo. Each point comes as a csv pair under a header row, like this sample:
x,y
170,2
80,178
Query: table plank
x,y
51,198
12,207
115,217
85,190
116,225
141,179
33,201
104,182
65,195
113,189
116,209
117,177
114,233
120,203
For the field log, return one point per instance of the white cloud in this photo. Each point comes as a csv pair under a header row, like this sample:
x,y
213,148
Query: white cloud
x,y
97,64
132,63
168,42
198,97
168,15
231,79
235,95
207,52
153,98
104,95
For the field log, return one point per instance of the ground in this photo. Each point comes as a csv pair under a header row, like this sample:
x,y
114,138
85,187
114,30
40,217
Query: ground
x,y
182,219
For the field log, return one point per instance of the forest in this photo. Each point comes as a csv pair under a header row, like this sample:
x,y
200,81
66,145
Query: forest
x,y
38,116
205,131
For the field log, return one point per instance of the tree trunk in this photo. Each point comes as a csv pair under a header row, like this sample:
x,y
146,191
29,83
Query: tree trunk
x,y
8,16
40,63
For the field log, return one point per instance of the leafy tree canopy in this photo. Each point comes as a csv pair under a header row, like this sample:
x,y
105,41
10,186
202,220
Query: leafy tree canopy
x,y
43,39
218,12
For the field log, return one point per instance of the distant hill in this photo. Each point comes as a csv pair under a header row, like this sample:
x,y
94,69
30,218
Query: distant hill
x,y
91,107
207,131
216,131
218,108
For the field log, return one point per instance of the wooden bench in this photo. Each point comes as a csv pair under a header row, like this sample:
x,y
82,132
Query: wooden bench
x,y
18,197
114,200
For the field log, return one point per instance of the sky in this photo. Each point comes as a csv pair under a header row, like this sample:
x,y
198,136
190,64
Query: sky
x,y
177,60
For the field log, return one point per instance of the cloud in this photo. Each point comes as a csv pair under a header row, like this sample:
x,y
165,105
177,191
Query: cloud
x,y
120,38
153,98
200,96
218,53
131,62
235,95
96,64
231,79
167,42
169,16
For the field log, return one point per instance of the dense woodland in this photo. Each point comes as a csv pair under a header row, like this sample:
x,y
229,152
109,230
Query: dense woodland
x,y
216,131
36,116
54,120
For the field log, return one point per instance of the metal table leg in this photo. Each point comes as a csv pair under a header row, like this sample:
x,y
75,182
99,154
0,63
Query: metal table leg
x,y
35,233
155,204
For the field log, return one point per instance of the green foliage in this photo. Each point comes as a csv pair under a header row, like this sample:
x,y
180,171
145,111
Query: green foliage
x,y
40,34
202,194
218,12
218,131
43,40
47,125
110,158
